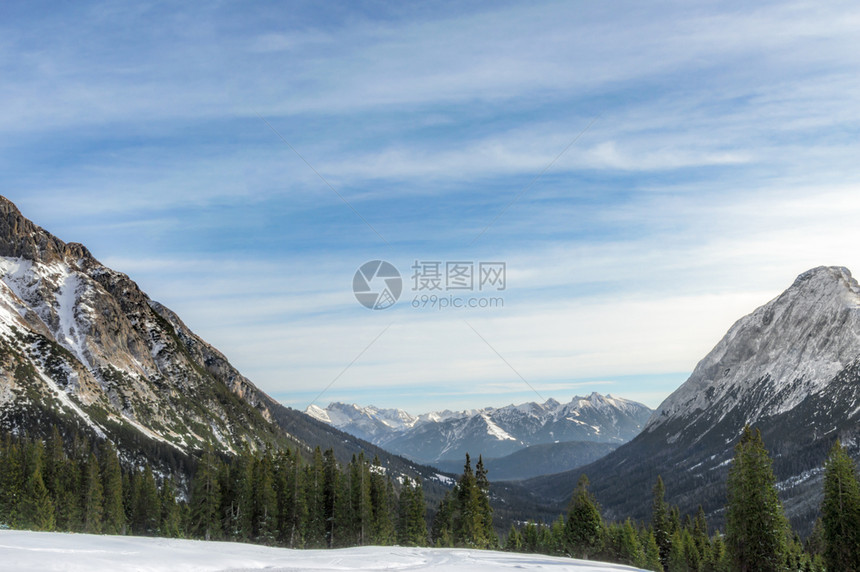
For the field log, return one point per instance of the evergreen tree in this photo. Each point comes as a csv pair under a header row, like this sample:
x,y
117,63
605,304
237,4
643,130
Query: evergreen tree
x,y
531,538
652,552
111,474
129,498
380,501
291,503
412,523
93,496
170,523
623,544
701,542
265,501
38,509
314,533
755,524
815,544
720,555
148,513
331,490
12,481
443,522
485,511
237,498
660,521
677,559
584,530
472,515
840,511
513,543
206,498
467,521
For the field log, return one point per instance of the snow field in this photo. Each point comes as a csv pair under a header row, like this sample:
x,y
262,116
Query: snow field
x,y
24,551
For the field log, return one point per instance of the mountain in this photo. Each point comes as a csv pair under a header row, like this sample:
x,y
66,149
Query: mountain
x,y
791,369
536,460
83,349
493,432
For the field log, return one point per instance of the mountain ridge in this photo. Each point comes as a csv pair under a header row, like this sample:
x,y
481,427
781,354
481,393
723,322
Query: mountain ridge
x,y
790,368
491,431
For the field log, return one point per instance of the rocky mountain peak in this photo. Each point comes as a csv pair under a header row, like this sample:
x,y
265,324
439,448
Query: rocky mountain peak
x,y
791,347
20,238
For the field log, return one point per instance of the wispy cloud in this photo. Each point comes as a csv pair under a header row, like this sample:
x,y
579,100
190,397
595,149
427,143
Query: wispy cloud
x,y
722,165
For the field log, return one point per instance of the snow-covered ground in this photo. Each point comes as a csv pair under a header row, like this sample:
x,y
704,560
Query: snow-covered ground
x,y
49,551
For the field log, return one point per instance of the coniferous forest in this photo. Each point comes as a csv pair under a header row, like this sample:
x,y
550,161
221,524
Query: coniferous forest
x,y
277,498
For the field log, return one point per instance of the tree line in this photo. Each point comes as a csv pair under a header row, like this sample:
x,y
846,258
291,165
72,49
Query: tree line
x,y
277,498
757,538
272,497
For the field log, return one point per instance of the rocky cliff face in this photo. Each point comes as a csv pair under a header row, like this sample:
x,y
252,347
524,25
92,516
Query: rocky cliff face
x,y
79,339
791,368
772,360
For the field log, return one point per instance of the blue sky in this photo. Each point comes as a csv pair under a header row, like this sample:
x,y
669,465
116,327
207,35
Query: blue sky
x,y
650,172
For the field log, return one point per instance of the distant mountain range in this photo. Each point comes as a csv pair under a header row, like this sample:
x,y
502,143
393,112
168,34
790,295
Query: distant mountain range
x,y
443,438
791,368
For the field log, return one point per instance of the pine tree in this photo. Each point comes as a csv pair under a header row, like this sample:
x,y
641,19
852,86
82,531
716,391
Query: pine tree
x,y
237,499
111,475
652,552
93,496
148,513
840,511
584,531
443,522
12,481
815,544
413,511
513,543
314,533
380,501
291,505
623,546
467,521
469,510
331,490
265,505
701,541
38,511
485,511
755,524
170,522
129,498
660,522
555,541
206,498
677,559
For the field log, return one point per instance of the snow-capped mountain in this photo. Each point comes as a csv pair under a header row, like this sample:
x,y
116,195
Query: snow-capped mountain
x,y
492,432
791,368
83,348
79,339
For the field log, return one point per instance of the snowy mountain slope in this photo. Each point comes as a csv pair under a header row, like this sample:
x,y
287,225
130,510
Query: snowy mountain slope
x,y
493,432
791,368
78,337
47,552
83,348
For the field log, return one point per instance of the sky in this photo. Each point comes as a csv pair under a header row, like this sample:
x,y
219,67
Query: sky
x,y
648,173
